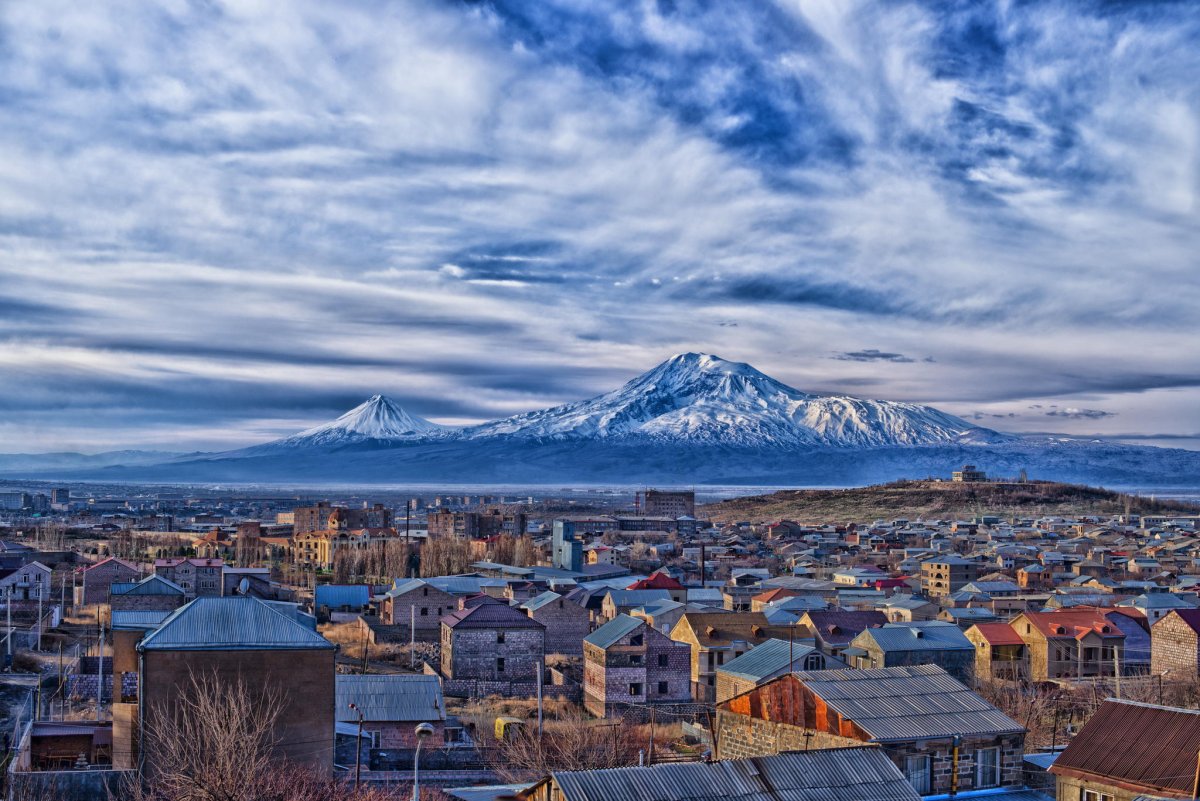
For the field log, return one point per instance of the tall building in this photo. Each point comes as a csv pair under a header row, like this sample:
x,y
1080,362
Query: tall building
x,y
670,503
317,518
567,552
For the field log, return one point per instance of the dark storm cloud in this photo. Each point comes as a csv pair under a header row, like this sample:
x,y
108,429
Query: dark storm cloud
x,y
872,355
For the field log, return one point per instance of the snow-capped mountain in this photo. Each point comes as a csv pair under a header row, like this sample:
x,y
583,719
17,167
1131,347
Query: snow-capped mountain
x,y
699,398
378,420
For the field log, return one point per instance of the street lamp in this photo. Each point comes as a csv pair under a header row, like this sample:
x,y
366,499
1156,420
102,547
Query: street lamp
x,y
423,731
358,746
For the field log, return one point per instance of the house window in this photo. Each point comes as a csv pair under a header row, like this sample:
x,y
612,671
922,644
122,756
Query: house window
x,y
987,768
635,689
500,665
499,636
635,639
662,688
635,659
662,660
424,611
1094,795
916,770
813,662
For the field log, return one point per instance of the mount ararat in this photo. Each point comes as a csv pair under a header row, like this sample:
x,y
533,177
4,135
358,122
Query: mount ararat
x,y
694,419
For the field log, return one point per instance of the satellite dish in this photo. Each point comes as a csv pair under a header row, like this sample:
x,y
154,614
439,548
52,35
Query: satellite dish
x,y
243,586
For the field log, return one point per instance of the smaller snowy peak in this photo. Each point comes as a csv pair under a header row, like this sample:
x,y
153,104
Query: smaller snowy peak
x,y
378,418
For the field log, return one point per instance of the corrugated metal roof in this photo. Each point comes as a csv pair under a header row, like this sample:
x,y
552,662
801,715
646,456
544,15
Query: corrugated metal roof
x,y
234,623
1148,748
838,774
138,620
390,698
767,660
490,616
633,598
336,595
151,585
907,703
538,601
613,630
902,637
488,792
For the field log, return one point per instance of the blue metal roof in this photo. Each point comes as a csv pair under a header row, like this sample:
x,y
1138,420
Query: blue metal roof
x,y
336,595
613,630
389,698
768,659
138,620
895,637
234,623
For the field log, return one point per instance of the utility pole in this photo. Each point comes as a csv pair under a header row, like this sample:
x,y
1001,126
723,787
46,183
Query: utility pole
x,y
100,673
62,696
8,637
39,622
358,748
412,637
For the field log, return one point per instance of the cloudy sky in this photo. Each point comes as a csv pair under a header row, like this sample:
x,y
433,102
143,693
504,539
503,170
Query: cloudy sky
x,y
223,221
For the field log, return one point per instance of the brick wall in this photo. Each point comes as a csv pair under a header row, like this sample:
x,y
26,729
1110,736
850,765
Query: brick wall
x,y
472,654
567,623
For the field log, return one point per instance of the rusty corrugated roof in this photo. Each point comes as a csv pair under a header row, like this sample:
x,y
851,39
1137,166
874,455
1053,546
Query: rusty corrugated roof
x,y
1141,747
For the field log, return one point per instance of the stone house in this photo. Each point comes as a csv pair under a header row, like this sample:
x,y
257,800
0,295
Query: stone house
x,y
835,628
931,642
153,593
622,602
823,775
1130,750
419,603
919,715
943,575
999,652
391,707
1070,643
98,579
491,648
719,637
628,666
199,578
566,622
233,639
768,661
1175,644
29,582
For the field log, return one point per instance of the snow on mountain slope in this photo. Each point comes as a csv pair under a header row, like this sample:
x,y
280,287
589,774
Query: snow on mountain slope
x,y
704,399
378,418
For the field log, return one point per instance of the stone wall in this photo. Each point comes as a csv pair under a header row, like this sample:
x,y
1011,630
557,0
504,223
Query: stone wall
x,y
474,654
567,623
1174,646
69,785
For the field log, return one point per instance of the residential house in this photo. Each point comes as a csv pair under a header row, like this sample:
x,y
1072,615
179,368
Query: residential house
x,y
491,648
153,593
390,708
1069,643
233,639
929,642
999,652
629,666
925,721
97,579
29,582
1175,645
661,581
720,637
1129,750
1156,605
819,775
835,628
622,602
942,575
768,661
566,622
199,578
419,603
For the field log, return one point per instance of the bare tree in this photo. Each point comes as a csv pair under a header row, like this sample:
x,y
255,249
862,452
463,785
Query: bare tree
x,y
217,742
570,742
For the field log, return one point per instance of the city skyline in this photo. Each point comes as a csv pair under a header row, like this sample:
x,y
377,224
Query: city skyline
x,y
224,224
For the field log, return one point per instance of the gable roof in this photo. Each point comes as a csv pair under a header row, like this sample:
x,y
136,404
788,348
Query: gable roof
x,y
389,698
927,636
1141,747
723,627
113,559
658,581
839,626
835,774
906,703
1191,617
490,615
231,623
538,601
612,631
1072,623
767,660
998,633
151,585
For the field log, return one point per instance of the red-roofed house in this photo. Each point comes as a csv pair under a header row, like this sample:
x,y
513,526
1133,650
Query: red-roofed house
x,y
1175,644
757,602
1070,643
98,580
661,581
999,652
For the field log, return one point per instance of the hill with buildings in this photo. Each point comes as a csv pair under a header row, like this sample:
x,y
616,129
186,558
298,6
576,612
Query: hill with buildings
x,y
940,500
